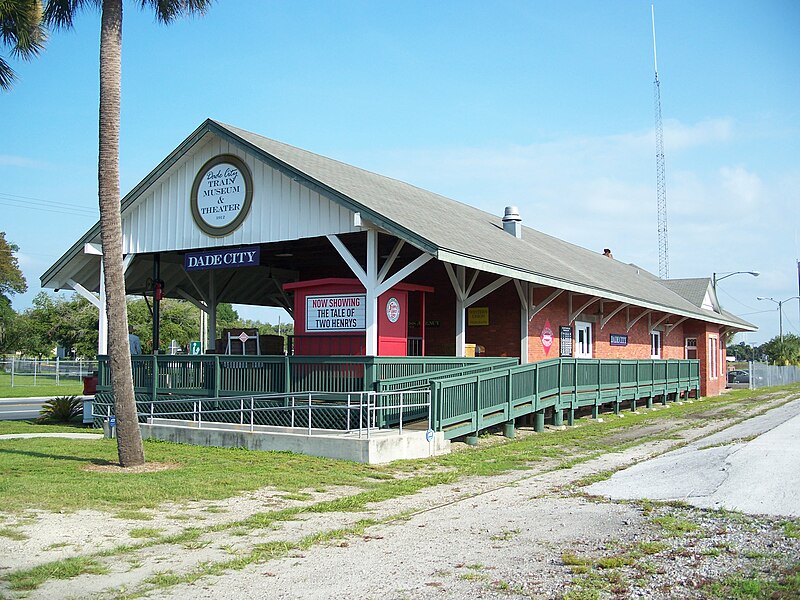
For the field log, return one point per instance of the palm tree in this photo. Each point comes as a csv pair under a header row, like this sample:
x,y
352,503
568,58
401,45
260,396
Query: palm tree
x,y
21,29
60,13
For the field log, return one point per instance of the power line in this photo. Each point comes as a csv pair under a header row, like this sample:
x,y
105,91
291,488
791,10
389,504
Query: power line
x,y
738,301
45,205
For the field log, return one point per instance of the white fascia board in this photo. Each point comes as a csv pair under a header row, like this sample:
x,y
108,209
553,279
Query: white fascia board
x,y
490,267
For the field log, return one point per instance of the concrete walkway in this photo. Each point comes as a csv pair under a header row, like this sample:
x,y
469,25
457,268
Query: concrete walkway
x,y
753,467
74,436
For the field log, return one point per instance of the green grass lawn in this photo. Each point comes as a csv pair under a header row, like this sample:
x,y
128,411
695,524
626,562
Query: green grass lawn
x,y
57,474
45,386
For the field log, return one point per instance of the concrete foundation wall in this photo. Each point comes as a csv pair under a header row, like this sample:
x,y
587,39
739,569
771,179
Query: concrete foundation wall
x,y
381,447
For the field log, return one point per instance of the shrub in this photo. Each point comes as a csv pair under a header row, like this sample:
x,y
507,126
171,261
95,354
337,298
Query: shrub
x,y
61,409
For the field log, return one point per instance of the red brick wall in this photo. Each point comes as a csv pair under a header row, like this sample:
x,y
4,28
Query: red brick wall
x,y
501,336
704,332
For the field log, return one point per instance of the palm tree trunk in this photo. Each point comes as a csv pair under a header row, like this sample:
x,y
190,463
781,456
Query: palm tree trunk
x,y
129,437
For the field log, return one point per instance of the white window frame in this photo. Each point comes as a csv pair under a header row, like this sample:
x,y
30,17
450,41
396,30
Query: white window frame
x,y
688,346
583,349
713,357
655,344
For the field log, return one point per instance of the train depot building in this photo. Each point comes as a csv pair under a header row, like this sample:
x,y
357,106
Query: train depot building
x,y
401,281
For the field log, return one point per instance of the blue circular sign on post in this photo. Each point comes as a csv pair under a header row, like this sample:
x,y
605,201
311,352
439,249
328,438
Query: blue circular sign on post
x,y
112,421
429,435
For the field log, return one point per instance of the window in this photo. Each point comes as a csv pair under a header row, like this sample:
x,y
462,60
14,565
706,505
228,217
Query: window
x,y
691,348
583,339
655,344
713,357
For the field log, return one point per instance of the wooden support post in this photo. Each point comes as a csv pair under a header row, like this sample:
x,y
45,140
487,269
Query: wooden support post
x,y
571,417
217,376
558,416
154,387
508,429
538,421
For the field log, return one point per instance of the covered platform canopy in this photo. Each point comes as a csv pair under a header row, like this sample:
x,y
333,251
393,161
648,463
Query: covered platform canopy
x,y
311,217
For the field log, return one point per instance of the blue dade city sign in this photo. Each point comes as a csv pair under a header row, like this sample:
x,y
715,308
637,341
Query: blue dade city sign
x,y
618,339
222,259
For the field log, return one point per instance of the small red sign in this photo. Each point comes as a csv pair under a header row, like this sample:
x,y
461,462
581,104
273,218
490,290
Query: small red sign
x,y
547,337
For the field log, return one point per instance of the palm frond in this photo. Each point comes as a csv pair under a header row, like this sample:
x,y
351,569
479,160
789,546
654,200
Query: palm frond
x,y
21,27
61,13
7,76
168,10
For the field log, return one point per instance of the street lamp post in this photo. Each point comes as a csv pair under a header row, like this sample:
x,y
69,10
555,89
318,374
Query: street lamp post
x,y
780,311
715,277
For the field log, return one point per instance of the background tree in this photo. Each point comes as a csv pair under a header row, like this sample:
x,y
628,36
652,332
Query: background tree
x,y
75,326
61,13
12,281
743,351
22,31
786,353
35,327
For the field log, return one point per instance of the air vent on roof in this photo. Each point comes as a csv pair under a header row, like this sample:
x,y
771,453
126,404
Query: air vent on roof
x,y
512,222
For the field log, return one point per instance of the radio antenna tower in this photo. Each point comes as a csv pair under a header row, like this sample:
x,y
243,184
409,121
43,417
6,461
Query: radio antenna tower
x,y
661,184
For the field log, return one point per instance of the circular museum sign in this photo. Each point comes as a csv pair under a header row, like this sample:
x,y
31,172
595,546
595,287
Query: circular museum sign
x,y
221,194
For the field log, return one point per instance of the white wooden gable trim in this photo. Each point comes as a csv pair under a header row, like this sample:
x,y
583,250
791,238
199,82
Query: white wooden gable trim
x,y
283,208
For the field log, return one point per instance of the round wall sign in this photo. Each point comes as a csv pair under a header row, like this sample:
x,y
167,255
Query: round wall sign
x,y
222,193
392,310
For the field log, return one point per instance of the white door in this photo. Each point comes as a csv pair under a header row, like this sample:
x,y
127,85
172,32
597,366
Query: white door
x,y
583,339
655,344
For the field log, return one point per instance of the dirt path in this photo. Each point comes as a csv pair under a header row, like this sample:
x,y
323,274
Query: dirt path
x,y
518,535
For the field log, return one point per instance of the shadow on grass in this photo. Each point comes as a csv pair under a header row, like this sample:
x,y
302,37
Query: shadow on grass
x,y
94,461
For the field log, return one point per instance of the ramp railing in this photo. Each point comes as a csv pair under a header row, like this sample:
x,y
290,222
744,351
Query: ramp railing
x,y
467,404
309,412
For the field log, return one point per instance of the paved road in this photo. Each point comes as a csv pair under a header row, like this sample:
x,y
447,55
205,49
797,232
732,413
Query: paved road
x,y
753,467
22,409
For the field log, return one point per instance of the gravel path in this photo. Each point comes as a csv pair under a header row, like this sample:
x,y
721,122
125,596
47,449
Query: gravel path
x,y
531,534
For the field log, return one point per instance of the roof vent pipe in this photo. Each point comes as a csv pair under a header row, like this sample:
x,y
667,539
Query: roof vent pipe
x,y
512,222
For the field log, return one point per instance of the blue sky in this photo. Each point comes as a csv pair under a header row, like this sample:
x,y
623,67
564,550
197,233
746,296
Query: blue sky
x,y
544,105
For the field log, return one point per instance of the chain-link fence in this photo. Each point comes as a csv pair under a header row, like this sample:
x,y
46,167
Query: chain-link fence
x,y
18,372
763,375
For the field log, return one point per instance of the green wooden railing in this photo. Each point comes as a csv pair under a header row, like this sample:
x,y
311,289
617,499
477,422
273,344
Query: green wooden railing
x,y
174,381
467,394
215,375
421,381
467,404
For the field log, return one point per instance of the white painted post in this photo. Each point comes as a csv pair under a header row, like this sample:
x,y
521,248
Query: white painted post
x,y
203,329
523,288
212,311
372,298
524,340
461,312
102,322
